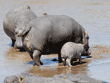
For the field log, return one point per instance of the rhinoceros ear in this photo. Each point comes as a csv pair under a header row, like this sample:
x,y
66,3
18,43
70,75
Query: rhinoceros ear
x,y
28,7
86,32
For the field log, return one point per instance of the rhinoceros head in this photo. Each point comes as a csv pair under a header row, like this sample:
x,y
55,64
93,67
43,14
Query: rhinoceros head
x,y
86,41
20,30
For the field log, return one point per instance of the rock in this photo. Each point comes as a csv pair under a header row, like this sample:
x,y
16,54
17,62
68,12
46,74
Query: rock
x,y
61,78
72,77
26,78
11,79
68,76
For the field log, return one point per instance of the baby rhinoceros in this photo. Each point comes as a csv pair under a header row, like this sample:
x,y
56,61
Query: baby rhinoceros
x,y
71,51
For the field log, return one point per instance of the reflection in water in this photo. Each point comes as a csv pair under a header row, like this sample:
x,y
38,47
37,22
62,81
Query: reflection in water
x,y
13,63
51,69
50,65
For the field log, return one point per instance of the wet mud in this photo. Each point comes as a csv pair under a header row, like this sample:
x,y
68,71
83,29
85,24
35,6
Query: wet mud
x,y
16,54
78,69
92,15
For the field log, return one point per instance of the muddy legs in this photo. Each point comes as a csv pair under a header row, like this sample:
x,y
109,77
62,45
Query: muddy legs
x,y
80,58
59,57
64,61
70,62
36,57
67,61
13,42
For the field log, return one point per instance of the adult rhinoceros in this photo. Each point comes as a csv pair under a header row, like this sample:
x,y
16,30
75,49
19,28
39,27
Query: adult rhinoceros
x,y
47,34
17,19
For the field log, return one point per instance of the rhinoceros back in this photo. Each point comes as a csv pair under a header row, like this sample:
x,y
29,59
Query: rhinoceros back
x,y
52,31
14,16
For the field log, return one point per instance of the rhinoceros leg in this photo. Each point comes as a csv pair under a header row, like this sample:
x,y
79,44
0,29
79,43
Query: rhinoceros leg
x,y
36,57
80,58
30,52
59,57
64,61
13,42
68,61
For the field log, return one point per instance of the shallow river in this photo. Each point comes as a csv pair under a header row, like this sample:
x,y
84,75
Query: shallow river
x,y
93,15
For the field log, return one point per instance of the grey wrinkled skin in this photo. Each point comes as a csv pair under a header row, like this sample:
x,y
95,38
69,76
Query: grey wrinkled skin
x,y
70,51
47,34
16,20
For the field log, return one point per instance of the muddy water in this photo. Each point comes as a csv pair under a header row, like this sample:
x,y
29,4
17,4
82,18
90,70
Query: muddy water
x,y
52,68
93,15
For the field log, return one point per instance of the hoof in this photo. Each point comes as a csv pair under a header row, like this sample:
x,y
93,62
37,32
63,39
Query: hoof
x,y
12,45
22,50
89,53
69,65
60,61
64,63
41,63
36,63
80,62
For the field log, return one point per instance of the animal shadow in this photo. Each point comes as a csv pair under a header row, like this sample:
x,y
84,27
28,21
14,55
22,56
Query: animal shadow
x,y
22,50
104,82
85,54
77,63
10,44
